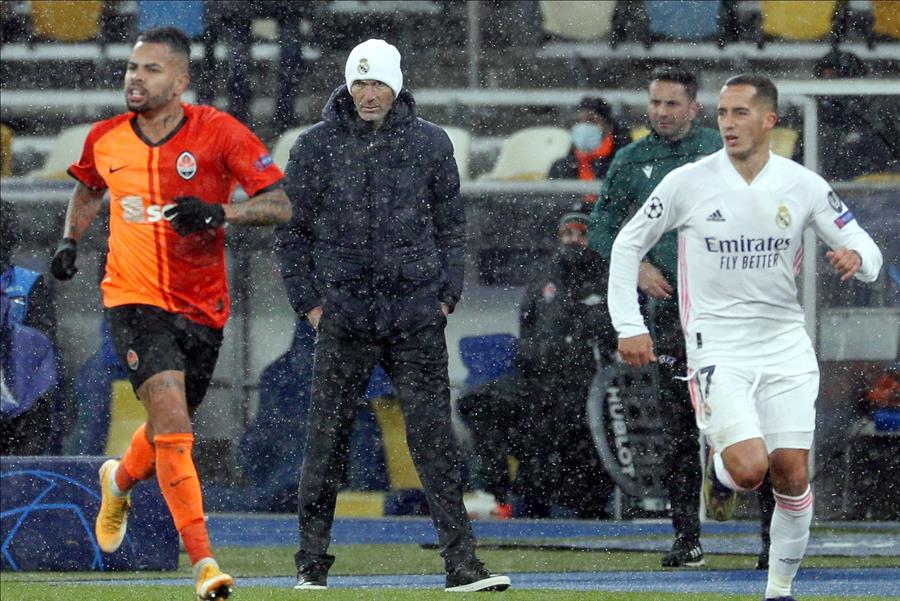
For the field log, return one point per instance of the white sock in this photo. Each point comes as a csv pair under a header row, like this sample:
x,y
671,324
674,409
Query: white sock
x,y
113,487
789,534
722,473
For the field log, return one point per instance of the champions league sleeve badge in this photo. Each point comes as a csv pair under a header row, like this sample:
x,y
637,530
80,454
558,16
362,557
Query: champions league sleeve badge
x,y
654,208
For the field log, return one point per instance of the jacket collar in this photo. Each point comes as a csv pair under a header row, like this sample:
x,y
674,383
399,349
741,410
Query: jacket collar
x,y
340,111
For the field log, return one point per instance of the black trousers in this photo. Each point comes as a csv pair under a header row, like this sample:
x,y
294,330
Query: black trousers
x,y
416,364
683,476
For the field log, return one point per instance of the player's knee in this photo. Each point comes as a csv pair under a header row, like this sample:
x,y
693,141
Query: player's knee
x,y
749,474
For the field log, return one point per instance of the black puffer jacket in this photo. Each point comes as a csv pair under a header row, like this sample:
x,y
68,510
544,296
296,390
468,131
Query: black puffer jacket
x,y
378,230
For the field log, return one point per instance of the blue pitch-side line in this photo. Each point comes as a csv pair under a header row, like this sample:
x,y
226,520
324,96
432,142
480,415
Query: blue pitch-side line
x,y
50,478
879,582
251,531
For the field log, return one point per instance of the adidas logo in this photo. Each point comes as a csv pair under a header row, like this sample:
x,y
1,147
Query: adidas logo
x,y
716,216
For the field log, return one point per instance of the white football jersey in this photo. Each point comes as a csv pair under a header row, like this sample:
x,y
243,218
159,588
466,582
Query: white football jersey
x,y
739,251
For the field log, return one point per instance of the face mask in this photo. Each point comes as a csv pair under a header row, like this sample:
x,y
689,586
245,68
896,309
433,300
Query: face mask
x,y
586,136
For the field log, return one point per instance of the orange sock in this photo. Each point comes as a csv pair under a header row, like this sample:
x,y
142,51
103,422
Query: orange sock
x,y
138,461
181,489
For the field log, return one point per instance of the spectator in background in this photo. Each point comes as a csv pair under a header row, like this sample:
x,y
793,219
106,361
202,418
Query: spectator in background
x,y
232,21
596,137
540,415
858,134
29,365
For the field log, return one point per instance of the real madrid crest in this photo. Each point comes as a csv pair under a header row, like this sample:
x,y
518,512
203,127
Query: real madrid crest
x,y
186,165
363,66
783,218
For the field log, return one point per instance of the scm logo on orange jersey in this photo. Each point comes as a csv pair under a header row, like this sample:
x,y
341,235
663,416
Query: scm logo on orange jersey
x,y
134,211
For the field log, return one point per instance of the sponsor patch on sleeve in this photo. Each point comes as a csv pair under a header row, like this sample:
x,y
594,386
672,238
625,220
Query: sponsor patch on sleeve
x,y
262,162
844,219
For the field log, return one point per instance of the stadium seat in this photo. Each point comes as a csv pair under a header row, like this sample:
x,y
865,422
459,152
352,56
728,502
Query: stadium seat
x,y
126,414
637,133
400,468
878,178
487,357
783,141
528,154
281,152
66,21
462,141
581,21
686,20
187,15
886,17
98,381
797,20
65,151
6,137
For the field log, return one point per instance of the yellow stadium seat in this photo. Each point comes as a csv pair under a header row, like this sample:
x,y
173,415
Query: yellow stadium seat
x,y
797,20
878,178
66,150
639,132
66,21
528,154
401,470
6,136
783,141
886,16
126,414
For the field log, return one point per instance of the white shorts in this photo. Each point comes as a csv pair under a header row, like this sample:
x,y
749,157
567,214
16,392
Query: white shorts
x,y
733,403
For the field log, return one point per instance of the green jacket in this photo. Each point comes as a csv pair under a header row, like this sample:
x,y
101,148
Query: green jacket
x,y
635,171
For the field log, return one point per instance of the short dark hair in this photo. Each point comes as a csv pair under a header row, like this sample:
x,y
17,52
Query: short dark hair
x,y
172,37
765,89
598,106
676,74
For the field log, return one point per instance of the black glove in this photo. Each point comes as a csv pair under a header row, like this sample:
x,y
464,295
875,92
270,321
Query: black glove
x,y
190,214
62,266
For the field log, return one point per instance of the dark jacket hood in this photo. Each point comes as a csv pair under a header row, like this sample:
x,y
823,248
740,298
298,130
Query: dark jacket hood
x,y
340,111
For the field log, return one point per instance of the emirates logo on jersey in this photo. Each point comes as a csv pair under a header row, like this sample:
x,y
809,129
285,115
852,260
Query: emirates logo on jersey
x,y
186,165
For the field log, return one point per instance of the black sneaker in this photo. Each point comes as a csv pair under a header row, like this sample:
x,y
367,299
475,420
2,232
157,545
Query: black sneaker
x,y
311,582
684,554
473,578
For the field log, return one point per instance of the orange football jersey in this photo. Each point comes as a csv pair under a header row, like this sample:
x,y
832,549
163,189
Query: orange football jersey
x,y
207,155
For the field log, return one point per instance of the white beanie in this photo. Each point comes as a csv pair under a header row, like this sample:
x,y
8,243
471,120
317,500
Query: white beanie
x,y
375,59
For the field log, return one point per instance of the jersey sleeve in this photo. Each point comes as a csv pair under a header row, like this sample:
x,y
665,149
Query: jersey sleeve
x,y
84,169
659,214
247,157
835,223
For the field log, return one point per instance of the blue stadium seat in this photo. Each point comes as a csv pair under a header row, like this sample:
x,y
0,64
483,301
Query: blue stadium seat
x,y
487,357
187,15
93,394
271,450
684,20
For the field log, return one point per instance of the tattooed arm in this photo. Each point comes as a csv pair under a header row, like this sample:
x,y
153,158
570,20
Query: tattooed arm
x,y
84,204
269,207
